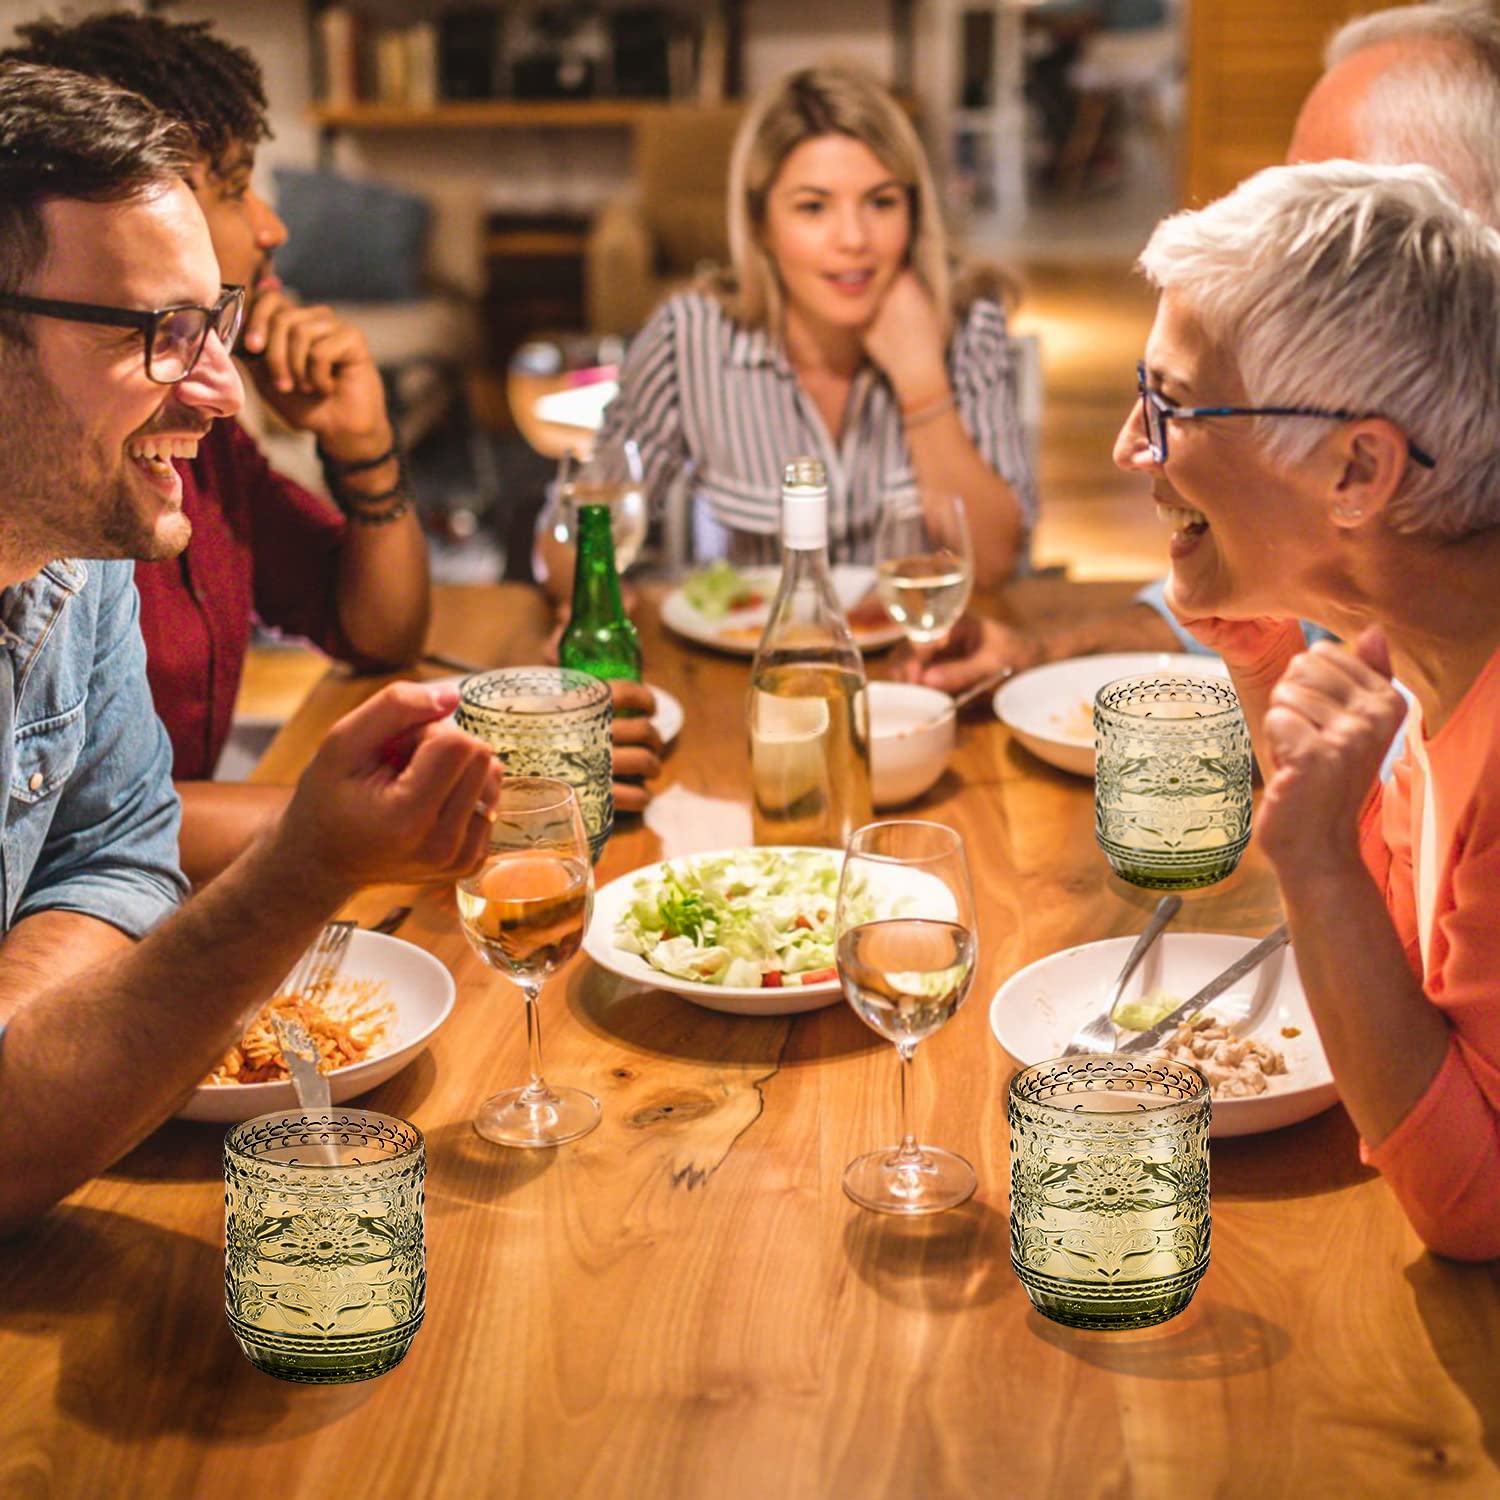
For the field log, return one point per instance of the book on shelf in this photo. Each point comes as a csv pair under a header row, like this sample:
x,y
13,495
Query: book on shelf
x,y
406,66
337,56
422,65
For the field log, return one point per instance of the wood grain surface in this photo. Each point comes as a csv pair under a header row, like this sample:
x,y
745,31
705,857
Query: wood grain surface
x,y
684,1303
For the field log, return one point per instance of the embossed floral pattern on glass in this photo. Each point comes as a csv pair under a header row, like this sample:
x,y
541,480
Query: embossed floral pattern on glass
x,y
548,721
324,1263
1109,1215
1171,780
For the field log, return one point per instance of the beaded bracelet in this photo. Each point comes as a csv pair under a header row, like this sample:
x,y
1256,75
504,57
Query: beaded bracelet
x,y
336,467
363,518
358,507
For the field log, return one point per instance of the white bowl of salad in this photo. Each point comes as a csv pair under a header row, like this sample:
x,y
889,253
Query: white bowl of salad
x,y
749,931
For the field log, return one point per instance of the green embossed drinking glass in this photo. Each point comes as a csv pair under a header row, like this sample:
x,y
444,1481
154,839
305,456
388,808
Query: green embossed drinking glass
x,y
1109,1220
324,1259
1171,780
549,721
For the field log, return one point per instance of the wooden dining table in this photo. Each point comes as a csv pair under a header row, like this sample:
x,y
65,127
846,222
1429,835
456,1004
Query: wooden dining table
x,y
684,1303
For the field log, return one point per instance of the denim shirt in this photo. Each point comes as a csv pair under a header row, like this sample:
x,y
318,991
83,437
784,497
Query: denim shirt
x,y
91,821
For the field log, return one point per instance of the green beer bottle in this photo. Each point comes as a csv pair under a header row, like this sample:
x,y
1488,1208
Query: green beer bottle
x,y
600,638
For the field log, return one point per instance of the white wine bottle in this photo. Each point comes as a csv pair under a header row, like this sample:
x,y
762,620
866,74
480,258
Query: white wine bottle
x,y
809,711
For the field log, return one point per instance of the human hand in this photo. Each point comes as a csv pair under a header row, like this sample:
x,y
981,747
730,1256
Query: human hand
x,y
905,338
637,747
974,649
1331,719
316,373
394,794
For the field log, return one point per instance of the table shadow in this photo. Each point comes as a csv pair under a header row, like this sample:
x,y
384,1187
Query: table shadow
x,y
462,1164
144,1347
662,1024
1443,1290
1210,1340
940,1262
193,1150
179,1151
1309,1160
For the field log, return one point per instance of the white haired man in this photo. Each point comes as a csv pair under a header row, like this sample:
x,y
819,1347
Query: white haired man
x,y
1413,83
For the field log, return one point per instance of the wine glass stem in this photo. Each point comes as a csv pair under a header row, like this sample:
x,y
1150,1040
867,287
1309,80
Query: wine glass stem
x,y
535,1092
909,1151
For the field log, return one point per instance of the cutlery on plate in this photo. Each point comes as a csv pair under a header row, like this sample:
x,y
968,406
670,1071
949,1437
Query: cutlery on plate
x,y
315,971
985,685
1099,1035
1215,987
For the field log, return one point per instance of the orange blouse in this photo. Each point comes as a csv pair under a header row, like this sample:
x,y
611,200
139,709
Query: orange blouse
x,y
1443,1159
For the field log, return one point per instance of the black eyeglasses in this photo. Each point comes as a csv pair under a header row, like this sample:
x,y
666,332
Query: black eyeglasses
x,y
174,336
1157,411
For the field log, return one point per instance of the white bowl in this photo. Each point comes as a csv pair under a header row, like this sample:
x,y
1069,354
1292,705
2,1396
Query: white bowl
x,y
1049,708
419,987
1038,1009
911,735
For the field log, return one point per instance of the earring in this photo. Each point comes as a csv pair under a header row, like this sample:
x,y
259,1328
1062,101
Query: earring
x,y
1342,512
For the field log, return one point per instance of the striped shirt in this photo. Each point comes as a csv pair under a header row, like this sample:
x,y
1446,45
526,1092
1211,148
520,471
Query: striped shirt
x,y
700,391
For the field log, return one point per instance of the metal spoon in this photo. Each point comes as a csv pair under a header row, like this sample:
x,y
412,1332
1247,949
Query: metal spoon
x,y
1099,1035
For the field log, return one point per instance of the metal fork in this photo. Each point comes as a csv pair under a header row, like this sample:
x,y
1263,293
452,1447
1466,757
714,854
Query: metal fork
x,y
313,974
1099,1035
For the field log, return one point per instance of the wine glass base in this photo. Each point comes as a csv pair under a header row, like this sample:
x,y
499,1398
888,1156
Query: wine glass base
x,y
513,1119
939,1180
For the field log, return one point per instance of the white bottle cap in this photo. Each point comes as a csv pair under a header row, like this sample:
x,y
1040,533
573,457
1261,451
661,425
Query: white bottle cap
x,y
804,505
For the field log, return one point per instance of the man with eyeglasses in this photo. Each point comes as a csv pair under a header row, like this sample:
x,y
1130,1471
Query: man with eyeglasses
x,y
114,361
350,577
356,585
1415,84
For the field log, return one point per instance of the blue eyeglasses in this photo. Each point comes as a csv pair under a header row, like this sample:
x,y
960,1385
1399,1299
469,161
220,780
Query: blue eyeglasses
x,y
1157,411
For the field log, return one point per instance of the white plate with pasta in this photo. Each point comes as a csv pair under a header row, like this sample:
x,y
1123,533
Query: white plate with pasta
x,y
388,1000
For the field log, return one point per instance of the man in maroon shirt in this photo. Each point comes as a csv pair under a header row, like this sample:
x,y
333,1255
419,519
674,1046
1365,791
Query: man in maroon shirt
x,y
352,579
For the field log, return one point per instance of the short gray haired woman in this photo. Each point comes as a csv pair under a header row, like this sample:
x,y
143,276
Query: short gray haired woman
x,y
838,334
1362,304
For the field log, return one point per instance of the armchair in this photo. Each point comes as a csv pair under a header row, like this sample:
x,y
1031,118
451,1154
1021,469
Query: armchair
x,y
649,242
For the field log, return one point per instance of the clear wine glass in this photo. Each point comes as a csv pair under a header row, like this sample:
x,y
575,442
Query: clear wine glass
x,y
905,975
525,912
924,562
611,475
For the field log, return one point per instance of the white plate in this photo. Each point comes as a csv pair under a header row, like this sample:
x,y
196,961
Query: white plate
x,y
893,888
418,986
599,943
1047,707
739,631
667,718
1035,1013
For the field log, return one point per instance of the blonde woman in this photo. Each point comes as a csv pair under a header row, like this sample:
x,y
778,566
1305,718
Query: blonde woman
x,y
838,333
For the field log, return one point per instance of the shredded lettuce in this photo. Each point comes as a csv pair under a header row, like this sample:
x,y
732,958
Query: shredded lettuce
x,y
755,918
714,590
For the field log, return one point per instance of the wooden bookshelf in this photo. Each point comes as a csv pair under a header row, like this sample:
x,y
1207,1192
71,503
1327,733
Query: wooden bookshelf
x,y
494,114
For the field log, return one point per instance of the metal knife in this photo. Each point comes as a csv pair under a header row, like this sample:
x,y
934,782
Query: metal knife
x,y
1210,991
392,919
